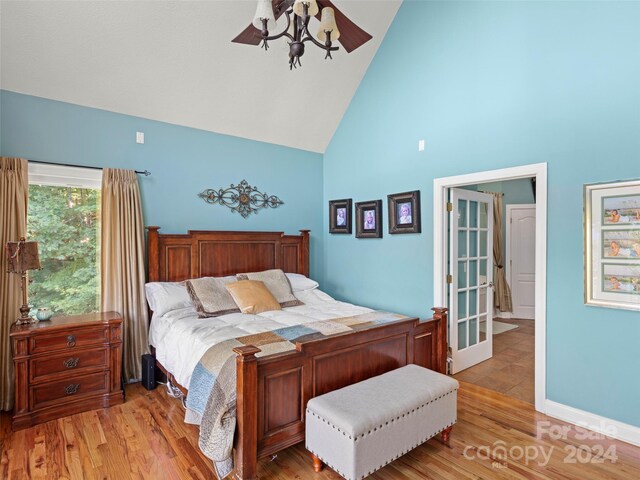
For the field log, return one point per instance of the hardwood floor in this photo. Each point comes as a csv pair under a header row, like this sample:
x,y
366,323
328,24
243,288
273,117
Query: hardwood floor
x,y
511,369
146,438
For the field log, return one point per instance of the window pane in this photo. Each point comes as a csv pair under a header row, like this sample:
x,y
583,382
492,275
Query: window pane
x,y
462,243
484,291
462,335
483,328
483,243
462,304
473,302
462,213
66,224
473,273
473,331
473,214
462,274
473,243
483,215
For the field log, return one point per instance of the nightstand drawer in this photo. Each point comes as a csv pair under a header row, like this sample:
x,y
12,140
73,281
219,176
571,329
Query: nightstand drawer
x,y
75,339
73,361
69,389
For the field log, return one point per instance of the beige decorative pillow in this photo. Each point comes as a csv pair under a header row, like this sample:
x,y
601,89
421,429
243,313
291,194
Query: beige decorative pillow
x,y
210,297
277,283
253,297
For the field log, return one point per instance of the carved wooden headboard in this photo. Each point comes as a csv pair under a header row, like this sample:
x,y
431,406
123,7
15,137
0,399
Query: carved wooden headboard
x,y
202,253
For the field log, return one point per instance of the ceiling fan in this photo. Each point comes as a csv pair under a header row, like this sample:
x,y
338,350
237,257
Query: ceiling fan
x,y
334,26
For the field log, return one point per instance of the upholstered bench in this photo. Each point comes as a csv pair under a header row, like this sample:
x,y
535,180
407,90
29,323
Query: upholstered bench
x,y
360,428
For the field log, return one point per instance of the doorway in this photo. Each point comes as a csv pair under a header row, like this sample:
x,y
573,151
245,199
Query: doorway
x,y
442,188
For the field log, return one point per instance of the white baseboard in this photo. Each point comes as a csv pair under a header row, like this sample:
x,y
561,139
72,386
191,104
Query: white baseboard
x,y
591,421
498,313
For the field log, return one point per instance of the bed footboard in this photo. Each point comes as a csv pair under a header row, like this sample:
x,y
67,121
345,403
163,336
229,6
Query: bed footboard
x,y
273,391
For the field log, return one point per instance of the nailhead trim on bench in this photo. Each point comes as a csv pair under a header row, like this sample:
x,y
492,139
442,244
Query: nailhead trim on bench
x,y
387,422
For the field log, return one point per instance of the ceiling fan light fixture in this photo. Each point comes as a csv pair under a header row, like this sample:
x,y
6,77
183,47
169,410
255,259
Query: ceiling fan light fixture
x,y
313,9
328,27
298,16
264,11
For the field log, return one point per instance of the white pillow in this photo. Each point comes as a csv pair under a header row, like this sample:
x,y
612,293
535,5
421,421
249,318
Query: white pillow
x,y
163,297
300,283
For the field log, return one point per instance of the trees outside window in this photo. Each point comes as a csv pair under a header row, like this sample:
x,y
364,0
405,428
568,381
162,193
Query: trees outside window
x,y
65,222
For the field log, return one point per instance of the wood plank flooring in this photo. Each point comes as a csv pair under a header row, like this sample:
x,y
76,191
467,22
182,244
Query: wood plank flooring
x,y
512,367
146,438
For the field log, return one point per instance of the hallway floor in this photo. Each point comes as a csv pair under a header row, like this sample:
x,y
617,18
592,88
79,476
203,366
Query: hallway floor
x,y
511,370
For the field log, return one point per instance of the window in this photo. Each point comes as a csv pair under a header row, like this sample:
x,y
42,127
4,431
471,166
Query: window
x,y
64,217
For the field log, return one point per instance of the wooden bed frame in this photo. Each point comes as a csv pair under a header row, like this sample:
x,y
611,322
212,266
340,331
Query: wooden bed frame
x,y
273,391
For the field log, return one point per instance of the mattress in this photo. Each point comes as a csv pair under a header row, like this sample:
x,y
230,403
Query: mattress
x,y
181,338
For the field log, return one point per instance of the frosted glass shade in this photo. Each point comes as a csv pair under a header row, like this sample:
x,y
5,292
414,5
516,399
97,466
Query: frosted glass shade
x,y
298,7
328,24
264,11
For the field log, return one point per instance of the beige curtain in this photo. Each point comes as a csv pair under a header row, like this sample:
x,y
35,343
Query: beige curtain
x,y
14,195
502,291
122,263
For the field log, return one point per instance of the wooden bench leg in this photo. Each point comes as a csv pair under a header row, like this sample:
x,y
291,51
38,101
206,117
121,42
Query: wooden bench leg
x,y
445,435
317,463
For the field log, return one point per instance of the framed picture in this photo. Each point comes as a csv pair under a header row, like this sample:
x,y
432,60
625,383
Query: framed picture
x,y
340,216
404,212
369,219
612,244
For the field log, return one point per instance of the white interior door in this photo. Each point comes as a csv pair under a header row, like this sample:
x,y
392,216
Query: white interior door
x,y
521,259
470,277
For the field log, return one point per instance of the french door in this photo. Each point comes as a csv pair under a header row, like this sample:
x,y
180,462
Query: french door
x,y
470,278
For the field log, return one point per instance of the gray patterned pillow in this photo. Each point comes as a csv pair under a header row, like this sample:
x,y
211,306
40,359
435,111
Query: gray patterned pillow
x,y
277,283
210,297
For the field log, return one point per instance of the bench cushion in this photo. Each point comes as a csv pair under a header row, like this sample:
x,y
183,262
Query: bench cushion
x,y
358,408
360,428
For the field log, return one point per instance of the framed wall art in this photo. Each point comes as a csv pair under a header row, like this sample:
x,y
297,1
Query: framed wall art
x,y
369,219
612,244
340,216
404,212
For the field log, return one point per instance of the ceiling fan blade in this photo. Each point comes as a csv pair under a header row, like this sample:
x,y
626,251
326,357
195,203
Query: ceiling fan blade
x,y
351,35
251,35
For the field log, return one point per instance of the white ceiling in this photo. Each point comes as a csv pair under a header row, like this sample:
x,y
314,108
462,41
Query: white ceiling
x,y
174,61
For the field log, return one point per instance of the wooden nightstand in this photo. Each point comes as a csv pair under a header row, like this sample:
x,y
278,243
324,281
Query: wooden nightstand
x,y
66,365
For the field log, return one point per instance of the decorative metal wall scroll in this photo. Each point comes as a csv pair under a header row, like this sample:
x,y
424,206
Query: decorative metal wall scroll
x,y
241,198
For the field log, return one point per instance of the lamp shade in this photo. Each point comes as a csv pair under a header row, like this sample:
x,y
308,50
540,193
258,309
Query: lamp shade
x,y
328,24
264,11
298,7
23,256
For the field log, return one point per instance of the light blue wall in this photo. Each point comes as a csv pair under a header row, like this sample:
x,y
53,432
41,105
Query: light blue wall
x,y
491,85
183,162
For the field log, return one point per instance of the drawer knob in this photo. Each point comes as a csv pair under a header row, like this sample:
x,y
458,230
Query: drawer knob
x,y
71,362
71,341
71,389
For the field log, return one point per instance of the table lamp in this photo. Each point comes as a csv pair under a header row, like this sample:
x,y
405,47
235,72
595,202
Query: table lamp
x,y
23,256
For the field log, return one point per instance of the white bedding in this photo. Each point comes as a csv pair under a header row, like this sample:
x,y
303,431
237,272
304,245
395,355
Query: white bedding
x,y
181,338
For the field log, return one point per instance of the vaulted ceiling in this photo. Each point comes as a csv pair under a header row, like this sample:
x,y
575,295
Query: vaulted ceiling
x,y
173,61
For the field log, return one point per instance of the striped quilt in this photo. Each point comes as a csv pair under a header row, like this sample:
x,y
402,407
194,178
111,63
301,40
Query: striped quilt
x,y
211,402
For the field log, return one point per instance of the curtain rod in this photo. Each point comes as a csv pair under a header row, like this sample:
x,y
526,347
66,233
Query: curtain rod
x,y
492,193
146,173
